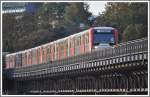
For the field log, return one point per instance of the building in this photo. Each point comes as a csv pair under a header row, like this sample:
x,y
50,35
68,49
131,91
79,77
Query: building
x,y
13,7
20,7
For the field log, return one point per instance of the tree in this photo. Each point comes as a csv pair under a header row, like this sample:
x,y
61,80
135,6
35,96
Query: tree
x,y
51,13
9,23
76,14
133,31
123,15
24,32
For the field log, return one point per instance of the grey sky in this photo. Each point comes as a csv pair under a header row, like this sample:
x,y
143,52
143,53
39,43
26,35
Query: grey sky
x,y
96,7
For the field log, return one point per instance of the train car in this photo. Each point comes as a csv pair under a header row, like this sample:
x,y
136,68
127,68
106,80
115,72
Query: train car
x,y
79,43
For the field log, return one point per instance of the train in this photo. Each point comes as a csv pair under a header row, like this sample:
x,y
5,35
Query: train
x,y
73,45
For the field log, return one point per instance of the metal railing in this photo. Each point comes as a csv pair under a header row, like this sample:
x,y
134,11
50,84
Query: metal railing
x,y
124,49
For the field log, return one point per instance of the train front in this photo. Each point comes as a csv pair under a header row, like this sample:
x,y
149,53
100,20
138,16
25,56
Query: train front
x,y
104,37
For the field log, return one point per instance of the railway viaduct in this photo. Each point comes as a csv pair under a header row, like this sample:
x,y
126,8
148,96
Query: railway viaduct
x,y
121,70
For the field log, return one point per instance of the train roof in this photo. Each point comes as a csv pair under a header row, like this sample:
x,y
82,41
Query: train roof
x,y
71,36
103,28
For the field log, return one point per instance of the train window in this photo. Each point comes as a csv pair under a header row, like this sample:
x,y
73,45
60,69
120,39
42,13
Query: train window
x,y
7,61
29,58
43,52
58,49
70,43
66,44
50,49
32,52
48,53
79,40
86,39
11,61
66,47
54,48
75,43
63,44
54,51
35,55
23,60
26,59
39,55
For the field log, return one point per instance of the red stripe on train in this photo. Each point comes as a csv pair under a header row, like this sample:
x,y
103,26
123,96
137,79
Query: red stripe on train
x,y
91,34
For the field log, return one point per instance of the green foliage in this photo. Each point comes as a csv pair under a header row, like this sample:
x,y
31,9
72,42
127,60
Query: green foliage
x,y
133,31
123,16
25,32
8,30
76,13
51,12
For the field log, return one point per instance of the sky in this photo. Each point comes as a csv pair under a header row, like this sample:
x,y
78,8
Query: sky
x,y
96,7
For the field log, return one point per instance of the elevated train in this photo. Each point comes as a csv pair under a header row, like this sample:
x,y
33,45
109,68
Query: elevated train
x,y
79,43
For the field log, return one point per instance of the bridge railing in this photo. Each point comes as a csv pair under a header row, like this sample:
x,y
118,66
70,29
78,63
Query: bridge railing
x,y
130,47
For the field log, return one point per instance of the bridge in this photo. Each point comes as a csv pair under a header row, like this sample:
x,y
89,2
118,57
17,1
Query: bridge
x,y
121,70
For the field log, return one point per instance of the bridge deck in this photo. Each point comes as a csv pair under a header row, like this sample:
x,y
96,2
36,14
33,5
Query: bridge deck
x,y
113,70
